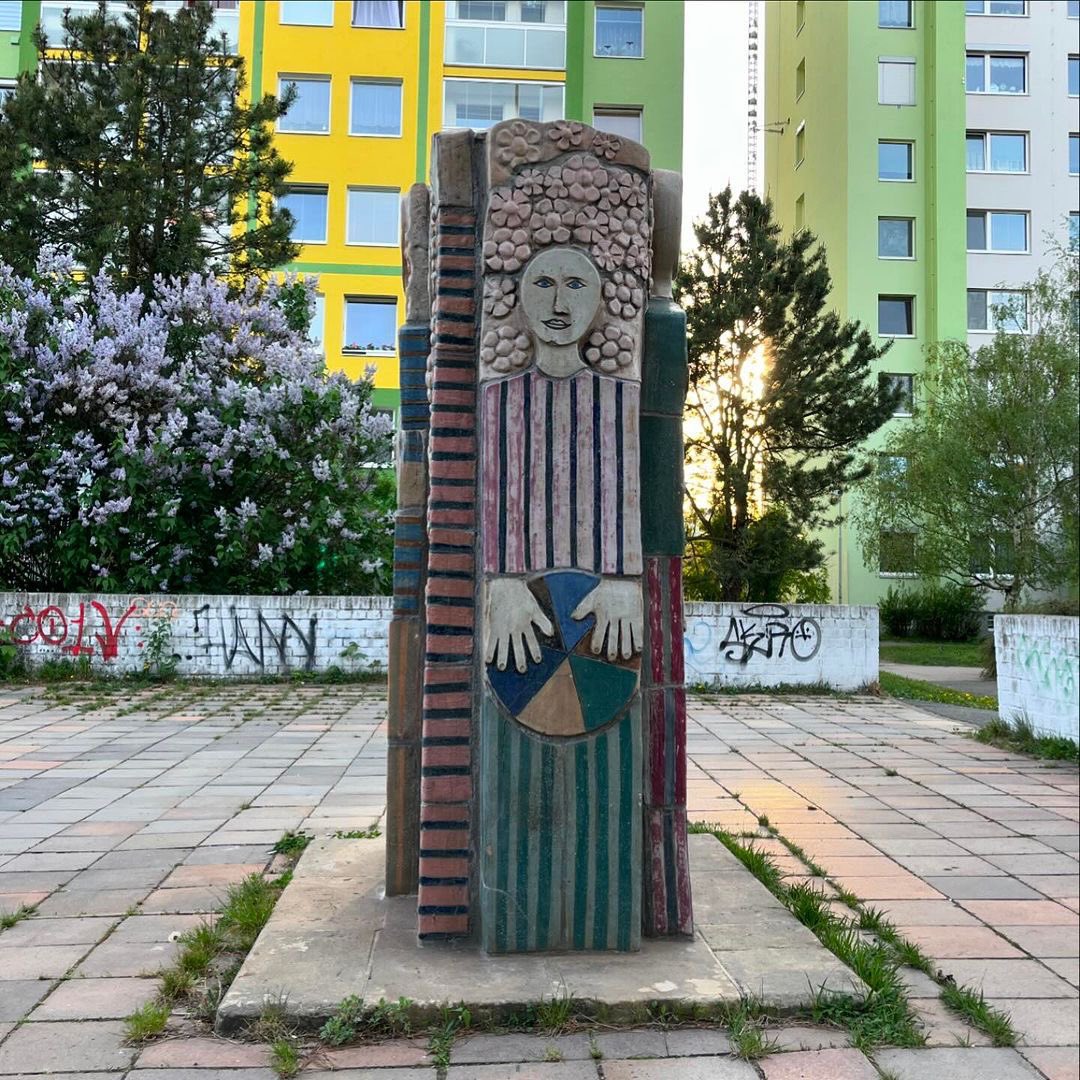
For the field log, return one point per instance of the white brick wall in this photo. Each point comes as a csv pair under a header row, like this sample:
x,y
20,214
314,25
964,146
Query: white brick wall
x,y
1038,671
773,644
209,635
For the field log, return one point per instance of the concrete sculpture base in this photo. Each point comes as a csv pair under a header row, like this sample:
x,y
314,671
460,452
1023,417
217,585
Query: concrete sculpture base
x,y
335,933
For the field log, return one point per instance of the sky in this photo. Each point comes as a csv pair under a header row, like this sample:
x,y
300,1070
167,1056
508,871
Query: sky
x,y
714,120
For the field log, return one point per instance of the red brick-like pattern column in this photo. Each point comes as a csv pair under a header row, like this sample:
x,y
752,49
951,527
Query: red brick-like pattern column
x,y
446,749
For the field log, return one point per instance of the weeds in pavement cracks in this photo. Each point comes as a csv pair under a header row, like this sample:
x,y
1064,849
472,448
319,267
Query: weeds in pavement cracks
x,y
284,1058
885,1017
24,911
1020,736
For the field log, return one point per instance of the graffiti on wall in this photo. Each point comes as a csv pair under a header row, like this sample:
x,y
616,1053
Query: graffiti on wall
x,y
254,639
1047,665
770,631
93,631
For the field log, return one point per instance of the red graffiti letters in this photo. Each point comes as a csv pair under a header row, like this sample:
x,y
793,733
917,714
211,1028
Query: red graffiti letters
x,y
51,626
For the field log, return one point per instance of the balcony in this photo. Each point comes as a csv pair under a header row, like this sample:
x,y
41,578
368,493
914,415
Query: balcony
x,y
226,17
511,34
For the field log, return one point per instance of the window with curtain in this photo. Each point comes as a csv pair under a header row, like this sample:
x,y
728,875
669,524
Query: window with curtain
x,y
896,238
317,329
620,31
996,151
896,82
1074,155
896,160
306,12
376,108
309,113
370,324
624,122
478,104
10,14
894,14
379,13
307,205
896,316
997,309
373,216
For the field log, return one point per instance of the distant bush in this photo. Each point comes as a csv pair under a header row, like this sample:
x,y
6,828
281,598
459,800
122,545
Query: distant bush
x,y
935,612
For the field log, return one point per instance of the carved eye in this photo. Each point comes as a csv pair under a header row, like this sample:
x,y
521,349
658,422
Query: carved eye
x,y
575,283
544,283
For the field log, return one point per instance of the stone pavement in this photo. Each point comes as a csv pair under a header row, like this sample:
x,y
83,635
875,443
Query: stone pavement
x,y
123,823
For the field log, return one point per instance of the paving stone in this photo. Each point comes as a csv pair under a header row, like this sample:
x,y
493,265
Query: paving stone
x,y
983,888
258,1074
478,1049
1042,1022
697,1068
631,1044
393,1054
694,1042
92,902
1015,978
66,1047
818,1065
63,931
95,999
955,1063
19,996
39,961
961,941
128,958
806,1038
1045,941
337,1074
1054,1062
189,1053
1021,912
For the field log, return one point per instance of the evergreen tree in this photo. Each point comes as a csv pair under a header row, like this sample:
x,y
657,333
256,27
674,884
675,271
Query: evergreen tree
x,y
780,399
133,149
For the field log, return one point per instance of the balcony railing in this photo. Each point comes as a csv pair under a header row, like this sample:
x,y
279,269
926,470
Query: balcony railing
x,y
506,45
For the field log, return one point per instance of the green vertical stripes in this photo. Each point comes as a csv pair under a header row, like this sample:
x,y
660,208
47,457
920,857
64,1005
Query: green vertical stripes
x,y
560,836
31,16
574,100
423,81
257,31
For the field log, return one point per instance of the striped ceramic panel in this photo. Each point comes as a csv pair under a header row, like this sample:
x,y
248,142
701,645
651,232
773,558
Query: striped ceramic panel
x,y
560,836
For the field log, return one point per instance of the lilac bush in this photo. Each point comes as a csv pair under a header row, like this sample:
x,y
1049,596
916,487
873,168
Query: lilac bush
x,y
187,441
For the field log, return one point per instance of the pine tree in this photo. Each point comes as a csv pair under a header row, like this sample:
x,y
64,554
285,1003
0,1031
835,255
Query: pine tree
x,y
781,397
133,148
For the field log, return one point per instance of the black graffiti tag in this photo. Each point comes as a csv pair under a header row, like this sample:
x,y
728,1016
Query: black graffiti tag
x,y
767,630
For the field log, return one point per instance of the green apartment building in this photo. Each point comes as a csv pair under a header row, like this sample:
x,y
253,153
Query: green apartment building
x,y
933,148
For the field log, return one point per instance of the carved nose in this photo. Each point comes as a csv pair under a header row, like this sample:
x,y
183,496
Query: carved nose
x,y
560,306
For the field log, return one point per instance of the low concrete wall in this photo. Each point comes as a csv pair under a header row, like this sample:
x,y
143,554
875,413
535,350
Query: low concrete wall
x,y
1038,671
244,636
218,636
775,644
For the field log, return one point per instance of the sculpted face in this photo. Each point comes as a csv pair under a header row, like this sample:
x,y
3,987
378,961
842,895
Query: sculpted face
x,y
560,293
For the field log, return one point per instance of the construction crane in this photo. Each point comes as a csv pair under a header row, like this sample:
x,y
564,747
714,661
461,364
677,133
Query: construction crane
x,y
752,96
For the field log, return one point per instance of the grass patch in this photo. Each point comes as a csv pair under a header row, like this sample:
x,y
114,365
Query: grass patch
x,y
798,689
899,686
942,653
1020,737
292,844
147,1022
451,1021
372,832
971,1005
746,1029
284,1058
13,918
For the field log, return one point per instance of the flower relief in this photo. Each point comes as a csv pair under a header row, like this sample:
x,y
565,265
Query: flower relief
x,y
610,348
517,144
507,250
623,297
566,133
605,145
499,296
505,348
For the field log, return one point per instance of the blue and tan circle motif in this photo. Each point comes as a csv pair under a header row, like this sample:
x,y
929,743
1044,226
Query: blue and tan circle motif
x,y
570,691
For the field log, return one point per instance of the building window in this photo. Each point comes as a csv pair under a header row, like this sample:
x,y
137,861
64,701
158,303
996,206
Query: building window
x,y
514,33
372,217
306,12
897,382
800,144
800,213
800,79
1073,9
997,309
896,82
995,73
1074,230
308,208
995,7
997,151
895,14
896,238
317,328
11,15
381,14
624,122
7,88
896,316
1074,154
309,113
620,31
997,230
375,108
1074,76
895,160
896,553
370,324
472,103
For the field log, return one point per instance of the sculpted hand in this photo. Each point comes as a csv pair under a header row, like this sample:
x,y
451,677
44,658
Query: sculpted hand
x,y
616,603
512,612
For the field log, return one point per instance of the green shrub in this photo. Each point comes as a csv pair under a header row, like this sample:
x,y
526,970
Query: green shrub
x,y
944,612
